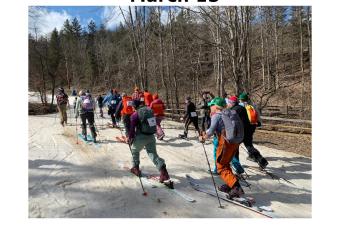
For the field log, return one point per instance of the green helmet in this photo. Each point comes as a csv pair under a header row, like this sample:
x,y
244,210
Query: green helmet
x,y
243,96
218,101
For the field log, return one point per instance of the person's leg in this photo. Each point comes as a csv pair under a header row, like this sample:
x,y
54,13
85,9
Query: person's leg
x,y
150,148
208,121
126,121
90,118
64,112
215,144
83,124
101,111
195,122
203,121
186,127
225,153
61,115
160,132
136,147
113,119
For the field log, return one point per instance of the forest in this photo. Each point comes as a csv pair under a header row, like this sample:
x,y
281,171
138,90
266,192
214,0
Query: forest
x,y
182,51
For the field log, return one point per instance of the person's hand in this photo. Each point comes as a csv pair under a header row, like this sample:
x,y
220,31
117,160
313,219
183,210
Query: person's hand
x,y
129,141
181,119
201,139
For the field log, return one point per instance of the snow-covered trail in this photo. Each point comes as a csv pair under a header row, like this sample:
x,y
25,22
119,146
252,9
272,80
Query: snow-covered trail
x,y
67,179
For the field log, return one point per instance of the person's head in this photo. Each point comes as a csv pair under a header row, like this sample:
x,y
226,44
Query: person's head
x,y
136,89
123,94
225,95
145,90
243,97
155,96
232,101
136,103
61,90
81,93
217,104
204,95
87,91
187,99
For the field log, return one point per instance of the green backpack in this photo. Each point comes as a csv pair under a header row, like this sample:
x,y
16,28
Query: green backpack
x,y
147,121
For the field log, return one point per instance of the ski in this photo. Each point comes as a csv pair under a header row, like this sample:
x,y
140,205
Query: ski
x,y
89,138
154,181
247,203
120,139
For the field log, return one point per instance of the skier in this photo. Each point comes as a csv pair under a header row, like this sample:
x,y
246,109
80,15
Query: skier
x,y
112,100
147,97
138,95
125,109
205,109
225,150
242,113
142,130
62,103
85,107
74,104
255,121
158,108
100,105
189,117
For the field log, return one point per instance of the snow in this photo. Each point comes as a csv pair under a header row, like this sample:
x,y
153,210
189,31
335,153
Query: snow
x,y
67,179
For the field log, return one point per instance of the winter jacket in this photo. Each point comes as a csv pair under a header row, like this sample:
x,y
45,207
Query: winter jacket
x,y
147,98
79,108
158,107
189,108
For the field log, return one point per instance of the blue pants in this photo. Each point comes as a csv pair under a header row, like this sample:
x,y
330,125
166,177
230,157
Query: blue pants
x,y
215,143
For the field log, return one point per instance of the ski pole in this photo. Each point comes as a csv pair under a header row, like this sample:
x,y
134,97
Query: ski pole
x,y
77,129
212,177
140,180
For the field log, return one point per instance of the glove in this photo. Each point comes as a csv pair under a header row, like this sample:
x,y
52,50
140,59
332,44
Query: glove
x,y
259,124
201,139
181,119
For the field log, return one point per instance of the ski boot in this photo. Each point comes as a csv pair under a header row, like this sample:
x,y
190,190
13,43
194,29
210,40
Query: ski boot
x,y
235,192
183,136
164,176
135,170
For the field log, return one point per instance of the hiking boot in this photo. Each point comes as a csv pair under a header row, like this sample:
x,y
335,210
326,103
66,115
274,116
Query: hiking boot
x,y
236,191
183,136
224,188
251,157
135,170
164,174
262,163
94,140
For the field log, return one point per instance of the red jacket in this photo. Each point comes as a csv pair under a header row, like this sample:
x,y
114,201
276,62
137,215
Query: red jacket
x,y
158,107
147,98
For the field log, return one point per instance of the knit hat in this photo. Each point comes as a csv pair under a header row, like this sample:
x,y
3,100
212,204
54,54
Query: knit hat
x,y
243,96
233,99
220,102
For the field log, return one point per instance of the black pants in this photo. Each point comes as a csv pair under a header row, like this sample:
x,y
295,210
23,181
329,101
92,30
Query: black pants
x,y
190,120
111,112
248,142
89,116
206,119
126,122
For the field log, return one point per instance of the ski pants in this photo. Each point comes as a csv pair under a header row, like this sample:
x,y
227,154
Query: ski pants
x,y
149,142
111,112
225,152
126,122
206,119
248,142
190,120
215,144
89,116
62,112
160,131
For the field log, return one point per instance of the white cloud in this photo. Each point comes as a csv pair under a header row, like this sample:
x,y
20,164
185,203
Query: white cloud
x,y
45,21
112,16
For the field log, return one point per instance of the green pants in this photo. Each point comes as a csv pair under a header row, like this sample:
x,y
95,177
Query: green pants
x,y
149,142
62,112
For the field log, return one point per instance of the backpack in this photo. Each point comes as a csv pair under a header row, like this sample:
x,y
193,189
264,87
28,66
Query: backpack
x,y
252,114
62,99
233,126
87,104
147,121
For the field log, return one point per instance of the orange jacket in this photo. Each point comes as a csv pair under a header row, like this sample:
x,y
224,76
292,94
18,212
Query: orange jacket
x,y
127,106
147,98
158,107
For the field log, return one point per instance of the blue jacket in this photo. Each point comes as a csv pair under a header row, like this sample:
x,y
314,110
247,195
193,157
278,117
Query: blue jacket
x,y
112,100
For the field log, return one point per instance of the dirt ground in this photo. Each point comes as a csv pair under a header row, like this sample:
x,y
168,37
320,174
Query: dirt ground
x,y
297,143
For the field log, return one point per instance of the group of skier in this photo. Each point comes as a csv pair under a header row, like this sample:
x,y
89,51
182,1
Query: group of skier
x,y
142,114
